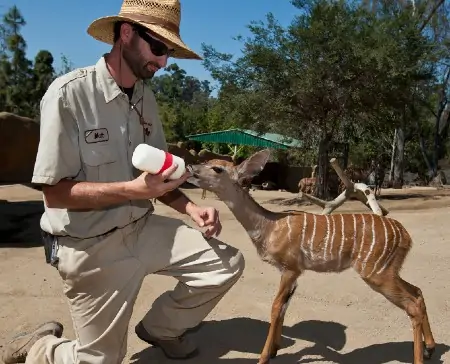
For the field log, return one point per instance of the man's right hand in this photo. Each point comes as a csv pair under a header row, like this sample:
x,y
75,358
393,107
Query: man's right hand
x,y
149,186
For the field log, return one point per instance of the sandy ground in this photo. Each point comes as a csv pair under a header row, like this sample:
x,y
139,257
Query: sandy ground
x,y
332,318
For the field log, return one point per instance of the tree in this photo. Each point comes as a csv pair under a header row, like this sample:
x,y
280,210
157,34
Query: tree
x,y
336,73
431,20
22,82
19,72
183,102
66,66
435,106
43,76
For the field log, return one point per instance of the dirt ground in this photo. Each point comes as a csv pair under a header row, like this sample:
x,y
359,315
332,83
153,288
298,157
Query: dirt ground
x,y
332,318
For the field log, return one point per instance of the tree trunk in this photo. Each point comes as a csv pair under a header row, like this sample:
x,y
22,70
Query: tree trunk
x,y
423,149
322,165
440,136
399,158
345,156
436,146
391,171
444,122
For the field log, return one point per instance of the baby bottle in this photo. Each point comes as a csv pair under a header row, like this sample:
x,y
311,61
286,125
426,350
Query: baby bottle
x,y
155,161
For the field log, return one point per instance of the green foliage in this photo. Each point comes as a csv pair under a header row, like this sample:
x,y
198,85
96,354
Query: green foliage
x,y
184,103
334,66
22,82
66,66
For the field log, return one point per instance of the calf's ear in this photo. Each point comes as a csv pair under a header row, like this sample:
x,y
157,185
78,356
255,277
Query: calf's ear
x,y
253,165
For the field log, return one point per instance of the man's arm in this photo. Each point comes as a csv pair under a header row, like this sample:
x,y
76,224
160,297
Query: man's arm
x,y
85,195
177,200
204,216
96,195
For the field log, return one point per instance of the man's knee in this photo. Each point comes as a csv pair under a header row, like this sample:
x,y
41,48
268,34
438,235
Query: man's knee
x,y
239,265
233,266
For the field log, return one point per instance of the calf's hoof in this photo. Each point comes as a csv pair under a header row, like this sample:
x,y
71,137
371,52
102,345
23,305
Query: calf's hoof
x,y
428,352
263,360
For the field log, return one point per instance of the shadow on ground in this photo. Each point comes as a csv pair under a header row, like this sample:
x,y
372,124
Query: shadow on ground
x,y
245,335
19,223
409,196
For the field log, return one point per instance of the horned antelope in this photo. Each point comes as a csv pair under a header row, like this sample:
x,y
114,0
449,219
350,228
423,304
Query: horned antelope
x,y
374,246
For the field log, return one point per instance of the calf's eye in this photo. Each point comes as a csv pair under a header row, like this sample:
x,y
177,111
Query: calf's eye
x,y
217,169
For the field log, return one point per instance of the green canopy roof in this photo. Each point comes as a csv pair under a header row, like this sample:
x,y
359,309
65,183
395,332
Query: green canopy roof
x,y
247,137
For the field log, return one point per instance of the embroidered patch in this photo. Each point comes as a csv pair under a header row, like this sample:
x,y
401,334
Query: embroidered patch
x,y
96,135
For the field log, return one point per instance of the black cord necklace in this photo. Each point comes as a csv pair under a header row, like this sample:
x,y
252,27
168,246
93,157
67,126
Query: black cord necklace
x,y
147,127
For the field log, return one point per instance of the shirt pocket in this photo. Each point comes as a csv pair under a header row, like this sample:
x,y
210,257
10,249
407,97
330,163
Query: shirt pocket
x,y
100,162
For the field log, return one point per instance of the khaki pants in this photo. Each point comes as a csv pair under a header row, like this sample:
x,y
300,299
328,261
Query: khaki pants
x,y
102,278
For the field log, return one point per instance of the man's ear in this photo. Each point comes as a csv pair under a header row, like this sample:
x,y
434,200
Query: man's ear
x,y
253,165
126,33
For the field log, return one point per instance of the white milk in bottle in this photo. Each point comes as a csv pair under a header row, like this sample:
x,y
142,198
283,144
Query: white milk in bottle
x,y
155,161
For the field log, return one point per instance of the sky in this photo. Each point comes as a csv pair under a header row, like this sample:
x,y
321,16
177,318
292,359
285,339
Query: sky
x,y
59,26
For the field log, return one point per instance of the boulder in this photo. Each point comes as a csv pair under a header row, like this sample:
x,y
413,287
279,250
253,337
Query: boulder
x,y
19,140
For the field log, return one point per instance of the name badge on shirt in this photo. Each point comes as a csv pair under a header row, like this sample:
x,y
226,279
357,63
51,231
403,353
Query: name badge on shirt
x,y
96,135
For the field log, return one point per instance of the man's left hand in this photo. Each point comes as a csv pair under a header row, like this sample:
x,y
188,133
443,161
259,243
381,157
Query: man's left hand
x,y
205,217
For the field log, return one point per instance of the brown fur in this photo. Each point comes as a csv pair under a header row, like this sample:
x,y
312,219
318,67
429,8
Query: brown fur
x,y
217,162
374,246
307,185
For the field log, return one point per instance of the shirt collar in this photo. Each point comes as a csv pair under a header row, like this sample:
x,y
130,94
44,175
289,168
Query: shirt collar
x,y
110,87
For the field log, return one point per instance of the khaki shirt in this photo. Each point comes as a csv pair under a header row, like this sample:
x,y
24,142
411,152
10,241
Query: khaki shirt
x,y
88,133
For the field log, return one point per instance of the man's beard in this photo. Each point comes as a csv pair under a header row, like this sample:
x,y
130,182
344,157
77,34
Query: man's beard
x,y
136,63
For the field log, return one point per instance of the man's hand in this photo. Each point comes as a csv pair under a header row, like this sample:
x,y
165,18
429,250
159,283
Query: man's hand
x,y
205,217
149,186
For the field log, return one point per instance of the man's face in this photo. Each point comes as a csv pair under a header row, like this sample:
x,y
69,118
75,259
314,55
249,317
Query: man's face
x,y
137,52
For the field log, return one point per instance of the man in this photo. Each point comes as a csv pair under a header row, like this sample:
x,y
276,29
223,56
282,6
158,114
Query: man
x,y
98,212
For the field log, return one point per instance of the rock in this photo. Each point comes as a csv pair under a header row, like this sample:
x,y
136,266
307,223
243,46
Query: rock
x,y
19,140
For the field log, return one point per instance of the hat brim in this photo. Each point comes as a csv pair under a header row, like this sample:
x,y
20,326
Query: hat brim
x,y
102,29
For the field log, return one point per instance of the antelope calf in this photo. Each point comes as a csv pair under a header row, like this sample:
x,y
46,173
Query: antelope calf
x,y
307,185
217,162
224,163
374,246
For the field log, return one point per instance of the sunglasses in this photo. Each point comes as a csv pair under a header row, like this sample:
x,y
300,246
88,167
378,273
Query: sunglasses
x,y
157,47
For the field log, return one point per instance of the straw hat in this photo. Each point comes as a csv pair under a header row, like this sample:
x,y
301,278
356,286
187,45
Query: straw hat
x,y
161,17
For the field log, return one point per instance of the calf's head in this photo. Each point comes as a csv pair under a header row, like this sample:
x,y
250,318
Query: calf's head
x,y
214,177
